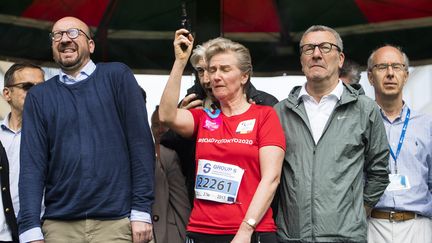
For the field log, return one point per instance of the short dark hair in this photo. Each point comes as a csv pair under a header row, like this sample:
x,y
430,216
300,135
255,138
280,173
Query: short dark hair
x,y
9,75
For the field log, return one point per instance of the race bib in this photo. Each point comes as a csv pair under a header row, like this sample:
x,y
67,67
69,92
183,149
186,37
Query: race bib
x,y
398,182
218,182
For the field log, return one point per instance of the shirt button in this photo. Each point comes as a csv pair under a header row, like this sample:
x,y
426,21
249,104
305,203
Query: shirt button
x,y
7,210
4,189
1,167
155,218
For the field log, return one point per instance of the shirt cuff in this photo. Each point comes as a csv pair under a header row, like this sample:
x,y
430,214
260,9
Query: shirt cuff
x,y
31,235
140,216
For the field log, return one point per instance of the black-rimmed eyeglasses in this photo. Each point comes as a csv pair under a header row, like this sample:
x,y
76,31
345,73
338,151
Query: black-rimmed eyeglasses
x,y
324,47
72,33
24,85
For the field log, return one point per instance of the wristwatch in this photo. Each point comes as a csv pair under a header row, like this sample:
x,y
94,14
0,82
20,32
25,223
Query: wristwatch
x,y
251,222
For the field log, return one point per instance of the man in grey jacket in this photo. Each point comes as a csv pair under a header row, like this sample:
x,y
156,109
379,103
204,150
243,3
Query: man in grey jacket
x,y
335,166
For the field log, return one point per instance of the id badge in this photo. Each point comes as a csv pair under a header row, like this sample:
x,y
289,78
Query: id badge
x,y
398,182
217,181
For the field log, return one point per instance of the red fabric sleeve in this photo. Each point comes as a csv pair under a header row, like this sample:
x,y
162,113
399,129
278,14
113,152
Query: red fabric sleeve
x,y
197,113
270,130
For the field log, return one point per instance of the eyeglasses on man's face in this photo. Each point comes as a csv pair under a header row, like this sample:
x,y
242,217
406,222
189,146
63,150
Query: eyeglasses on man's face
x,y
382,67
72,33
24,85
324,47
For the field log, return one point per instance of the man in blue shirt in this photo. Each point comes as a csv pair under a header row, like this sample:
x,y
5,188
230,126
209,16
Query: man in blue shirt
x,y
19,78
404,212
87,143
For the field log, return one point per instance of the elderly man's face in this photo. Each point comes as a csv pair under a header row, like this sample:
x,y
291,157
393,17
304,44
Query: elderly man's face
x,y
318,65
72,54
203,77
389,73
157,128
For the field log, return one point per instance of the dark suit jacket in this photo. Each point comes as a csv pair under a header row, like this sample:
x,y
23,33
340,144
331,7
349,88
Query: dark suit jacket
x,y
8,209
171,207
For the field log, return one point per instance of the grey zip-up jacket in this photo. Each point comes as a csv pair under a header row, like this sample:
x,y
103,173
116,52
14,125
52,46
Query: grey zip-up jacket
x,y
324,187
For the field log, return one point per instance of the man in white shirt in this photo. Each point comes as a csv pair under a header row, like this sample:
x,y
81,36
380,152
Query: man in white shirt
x,y
19,78
333,135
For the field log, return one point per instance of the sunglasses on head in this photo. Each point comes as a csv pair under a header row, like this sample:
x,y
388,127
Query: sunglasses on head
x,y
24,86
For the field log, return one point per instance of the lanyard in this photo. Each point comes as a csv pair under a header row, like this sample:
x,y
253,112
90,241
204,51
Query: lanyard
x,y
401,139
212,115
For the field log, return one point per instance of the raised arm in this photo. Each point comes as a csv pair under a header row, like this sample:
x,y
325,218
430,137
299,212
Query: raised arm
x,y
180,120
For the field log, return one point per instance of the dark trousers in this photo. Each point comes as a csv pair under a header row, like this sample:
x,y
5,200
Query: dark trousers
x,y
257,237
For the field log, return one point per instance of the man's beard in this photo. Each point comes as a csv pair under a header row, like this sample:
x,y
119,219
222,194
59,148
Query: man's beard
x,y
68,64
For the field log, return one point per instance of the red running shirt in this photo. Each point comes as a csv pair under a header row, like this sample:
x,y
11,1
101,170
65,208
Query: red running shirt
x,y
230,143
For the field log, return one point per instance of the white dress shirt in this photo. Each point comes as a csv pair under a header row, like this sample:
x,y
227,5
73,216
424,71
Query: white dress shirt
x,y
319,113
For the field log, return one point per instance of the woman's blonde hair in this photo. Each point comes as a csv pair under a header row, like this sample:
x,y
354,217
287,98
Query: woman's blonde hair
x,y
223,45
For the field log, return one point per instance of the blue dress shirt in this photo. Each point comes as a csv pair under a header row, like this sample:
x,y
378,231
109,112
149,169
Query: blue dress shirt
x,y
414,162
87,70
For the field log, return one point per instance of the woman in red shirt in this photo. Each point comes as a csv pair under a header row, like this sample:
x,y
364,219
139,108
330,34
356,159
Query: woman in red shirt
x,y
239,150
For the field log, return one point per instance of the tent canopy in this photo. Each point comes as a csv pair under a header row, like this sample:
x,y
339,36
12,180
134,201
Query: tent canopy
x,y
139,33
